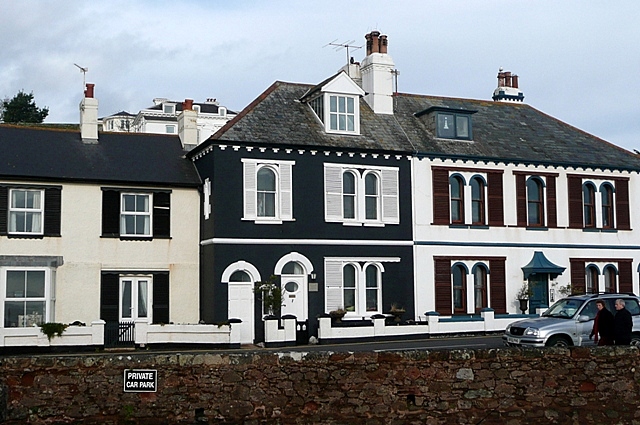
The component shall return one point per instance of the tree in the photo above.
(22, 108)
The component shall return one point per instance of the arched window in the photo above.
(589, 203)
(349, 287)
(607, 206)
(477, 201)
(266, 192)
(372, 277)
(591, 284)
(535, 204)
(457, 199)
(459, 289)
(349, 195)
(480, 287)
(372, 196)
(240, 276)
(292, 267)
(610, 284)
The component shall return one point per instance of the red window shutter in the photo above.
(440, 196)
(574, 187)
(495, 195)
(443, 286)
(552, 215)
(578, 285)
(497, 281)
(622, 205)
(625, 276)
(521, 200)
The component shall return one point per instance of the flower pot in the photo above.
(523, 305)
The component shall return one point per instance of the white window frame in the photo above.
(49, 291)
(20, 210)
(206, 191)
(124, 213)
(388, 194)
(168, 108)
(284, 194)
(334, 286)
(170, 129)
(344, 114)
(135, 287)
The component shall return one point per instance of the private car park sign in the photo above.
(140, 381)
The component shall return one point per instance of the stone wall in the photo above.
(502, 386)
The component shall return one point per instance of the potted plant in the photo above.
(523, 296)
(337, 314)
(51, 329)
(271, 295)
(397, 312)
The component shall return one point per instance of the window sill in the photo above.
(537, 228)
(26, 236)
(458, 226)
(596, 230)
(479, 226)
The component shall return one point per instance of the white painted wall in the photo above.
(85, 254)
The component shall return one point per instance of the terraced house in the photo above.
(356, 197)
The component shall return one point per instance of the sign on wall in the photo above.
(140, 381)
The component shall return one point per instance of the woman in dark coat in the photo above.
(602, 325)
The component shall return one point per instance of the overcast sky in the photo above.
(578, 61)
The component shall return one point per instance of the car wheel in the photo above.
(558, 341)
(635, 340)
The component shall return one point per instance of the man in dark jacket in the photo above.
(602, 325)
(622, 324)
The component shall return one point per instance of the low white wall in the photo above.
(185, 334)
(73, 335)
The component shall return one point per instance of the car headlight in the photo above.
(508, 328)
(531, 332)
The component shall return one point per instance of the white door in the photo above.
(294, 294)
(135, 298)
(240, 306)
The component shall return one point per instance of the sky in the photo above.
(578, 61)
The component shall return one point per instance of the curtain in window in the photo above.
(143, 298)
(25, 215)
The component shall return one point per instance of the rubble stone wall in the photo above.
(510, 386)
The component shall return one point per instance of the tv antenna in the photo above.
(84, 74)
(345, 45)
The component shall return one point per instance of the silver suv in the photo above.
(569, 322)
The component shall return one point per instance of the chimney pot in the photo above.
(507, 76)
(375, 45)
(383, 44)
(187, 104)
(369, 43)
(514, 81)
(88, 91)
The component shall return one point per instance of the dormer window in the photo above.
(449, 123)
(336, 103)
(168, 108)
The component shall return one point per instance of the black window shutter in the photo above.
(625, 276)
(496, 202)
(497, 279)
(521, 200)
(110, 213)
(52, 209)
(574, 189)
(622, 205)
(441, 204)
(443, 286)
(109, 297)
(552, 213)
(161, 297)
(578, 277)
(4, 209)
(161, 214)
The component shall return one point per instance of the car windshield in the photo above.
(565, 308)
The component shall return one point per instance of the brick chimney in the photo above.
(188, 125)
(89, 116)
(507, 90)
(377, 74)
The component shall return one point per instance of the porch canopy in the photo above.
(541, 264)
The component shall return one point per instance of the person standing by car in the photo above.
(622, 324)
(602, 325)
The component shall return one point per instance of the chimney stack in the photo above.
(377, 74)
(188, 125)
(507, 90)
(89, 116)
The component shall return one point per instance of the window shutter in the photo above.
(552, 215)
(574, 187)
(286, 203)
(250, 187)
(622, 205)
(578, 285)
(333, 285)
(497, 282)
(625, 276)
(110, 213)
(521, 200)
(390, 204)
(52, 211)
(443, 286)
(109, 297)
(496, 203)
(332, 193)
(4, 209)
(161, 297)
(441, 208)
(161, 215)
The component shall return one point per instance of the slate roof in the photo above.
(512, 132)
(118, 158)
